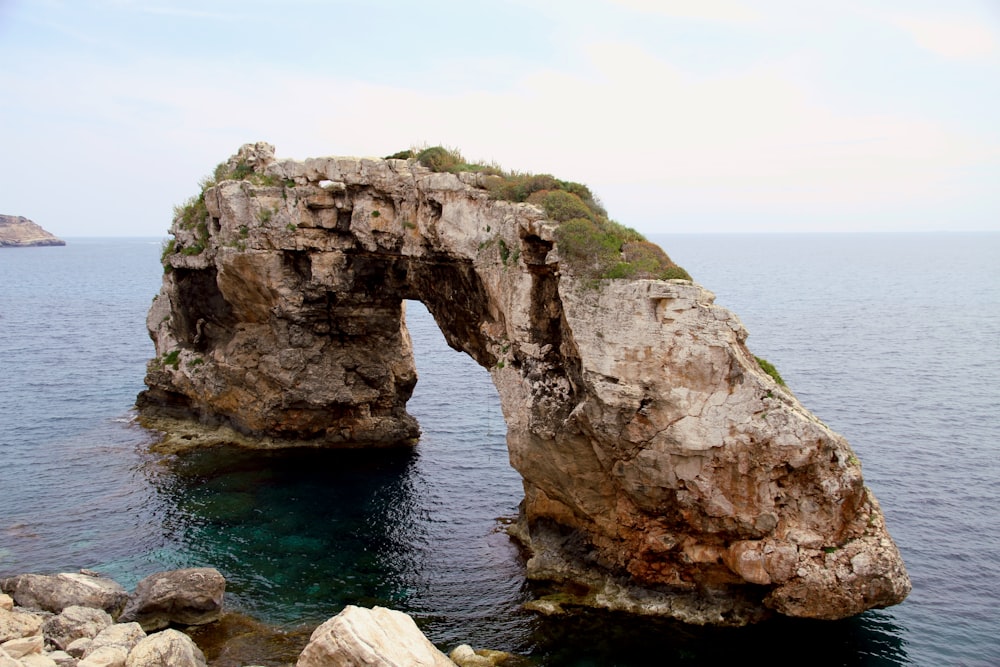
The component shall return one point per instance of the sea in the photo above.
(892, 339)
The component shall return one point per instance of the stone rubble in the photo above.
(87, 636)
(69, 619)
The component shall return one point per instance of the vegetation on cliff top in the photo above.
(595, 246)
(193, 213)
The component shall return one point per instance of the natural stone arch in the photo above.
(663, 469)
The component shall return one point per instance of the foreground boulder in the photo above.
(376, 637)
(87, 637)
(75, 623)
(665, 470)
(191, 596)
(56, 592)
(112, 645)
(18, 648)
(18, 623)
(45, 631)
(169, 647)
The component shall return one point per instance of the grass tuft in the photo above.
(769, 368)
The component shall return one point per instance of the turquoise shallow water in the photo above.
(893, 340)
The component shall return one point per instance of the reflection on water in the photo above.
(299, 533)
(593, 638)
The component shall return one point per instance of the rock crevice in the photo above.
(663, 468)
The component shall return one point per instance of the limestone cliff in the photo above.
(17, 232)
(664, 471)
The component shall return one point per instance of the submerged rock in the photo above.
(665, 471)
(464, 656)
(237, 639)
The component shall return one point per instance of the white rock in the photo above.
(19, 623)
(18, 648)
(169, 647)
(78, 647)
(464, 656)
(121, 635)
(62, 658)
(105, 656)
(73, 623)
(377, 637)
(38, 660)
(7, 661)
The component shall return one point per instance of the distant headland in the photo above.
(18, 232)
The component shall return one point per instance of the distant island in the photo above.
(18, 232)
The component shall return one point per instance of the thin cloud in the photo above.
(727, 11)
(951, 37)
(664, 144)
(173, 11)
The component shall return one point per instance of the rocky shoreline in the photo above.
(16, 231)
(177, 618)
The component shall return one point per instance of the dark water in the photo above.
(893, 340)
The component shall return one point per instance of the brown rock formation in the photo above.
(192, 596)
(17, 231)
(664, 470)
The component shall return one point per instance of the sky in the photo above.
(683, 116)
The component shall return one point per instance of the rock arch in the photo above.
(664, 471)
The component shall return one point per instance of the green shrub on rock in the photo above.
(604, 249)
(769, 368)
(561, 205)
(590, 244)
(642, 259)
(587, 246)
(439, 158)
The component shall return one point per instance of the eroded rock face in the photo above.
(662, 467)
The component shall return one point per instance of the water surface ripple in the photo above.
(893, 340)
